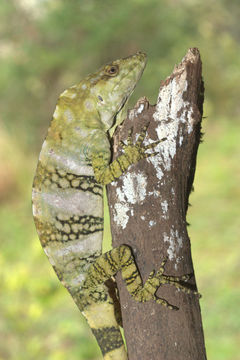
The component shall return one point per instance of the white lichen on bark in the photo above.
(172, 112)
(132, 191)
(175, 243)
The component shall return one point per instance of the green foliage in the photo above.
(215, 237)
(49, 45)
(53, 44)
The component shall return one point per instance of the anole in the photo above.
(74, 165)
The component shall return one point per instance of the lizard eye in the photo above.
(111, 70)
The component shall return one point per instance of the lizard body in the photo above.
(67, 196)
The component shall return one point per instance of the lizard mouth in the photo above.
(123, 103)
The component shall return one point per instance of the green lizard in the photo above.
(67, 196)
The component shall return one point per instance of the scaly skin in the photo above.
(73, 167)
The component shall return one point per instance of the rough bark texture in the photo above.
(148, 206)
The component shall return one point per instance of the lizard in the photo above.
(73, 167)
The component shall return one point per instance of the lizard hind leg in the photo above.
(174, 281)
(165, 303)
(121, 259)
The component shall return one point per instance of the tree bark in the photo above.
(148, 206)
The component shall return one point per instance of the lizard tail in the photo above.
(110, 341)
(102, 319)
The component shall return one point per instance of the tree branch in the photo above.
(148, 206)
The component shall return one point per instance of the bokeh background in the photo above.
(48, 45)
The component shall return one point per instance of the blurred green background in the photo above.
(48, 45)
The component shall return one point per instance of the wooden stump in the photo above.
(148, 206)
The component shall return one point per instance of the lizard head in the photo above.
(113, 84)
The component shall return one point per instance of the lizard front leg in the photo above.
(106, 173)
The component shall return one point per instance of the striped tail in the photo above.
(103, 316)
